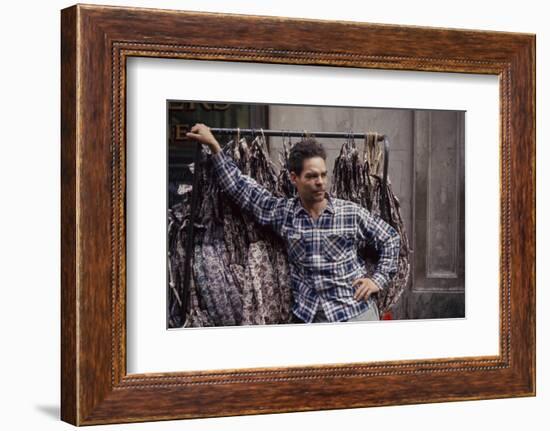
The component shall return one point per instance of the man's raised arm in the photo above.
(244, 190)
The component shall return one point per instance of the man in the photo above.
(322, 234)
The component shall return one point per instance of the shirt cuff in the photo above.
(380, 280)
(217, 159)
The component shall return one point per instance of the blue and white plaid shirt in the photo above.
(322, 254)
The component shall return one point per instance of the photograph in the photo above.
(289, 214)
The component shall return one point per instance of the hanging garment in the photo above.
(382, 201)
(178, 224)
(349, 176)
(176, 265)
(284, 184)
(240, 269)
(197, 316)
(283, 284)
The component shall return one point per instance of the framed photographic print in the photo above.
(268, 218)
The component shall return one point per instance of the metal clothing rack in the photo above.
(255, 132)
(291, 133)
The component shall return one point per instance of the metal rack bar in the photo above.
(290, 133)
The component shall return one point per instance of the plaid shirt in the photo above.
(323, 253)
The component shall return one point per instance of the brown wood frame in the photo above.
(95, 43)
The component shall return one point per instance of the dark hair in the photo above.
(307, 148)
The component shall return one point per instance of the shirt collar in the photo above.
(299, 207)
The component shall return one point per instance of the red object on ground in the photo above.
(387, 316)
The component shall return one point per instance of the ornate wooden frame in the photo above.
(95, 43)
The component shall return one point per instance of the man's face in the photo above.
(312, 182)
